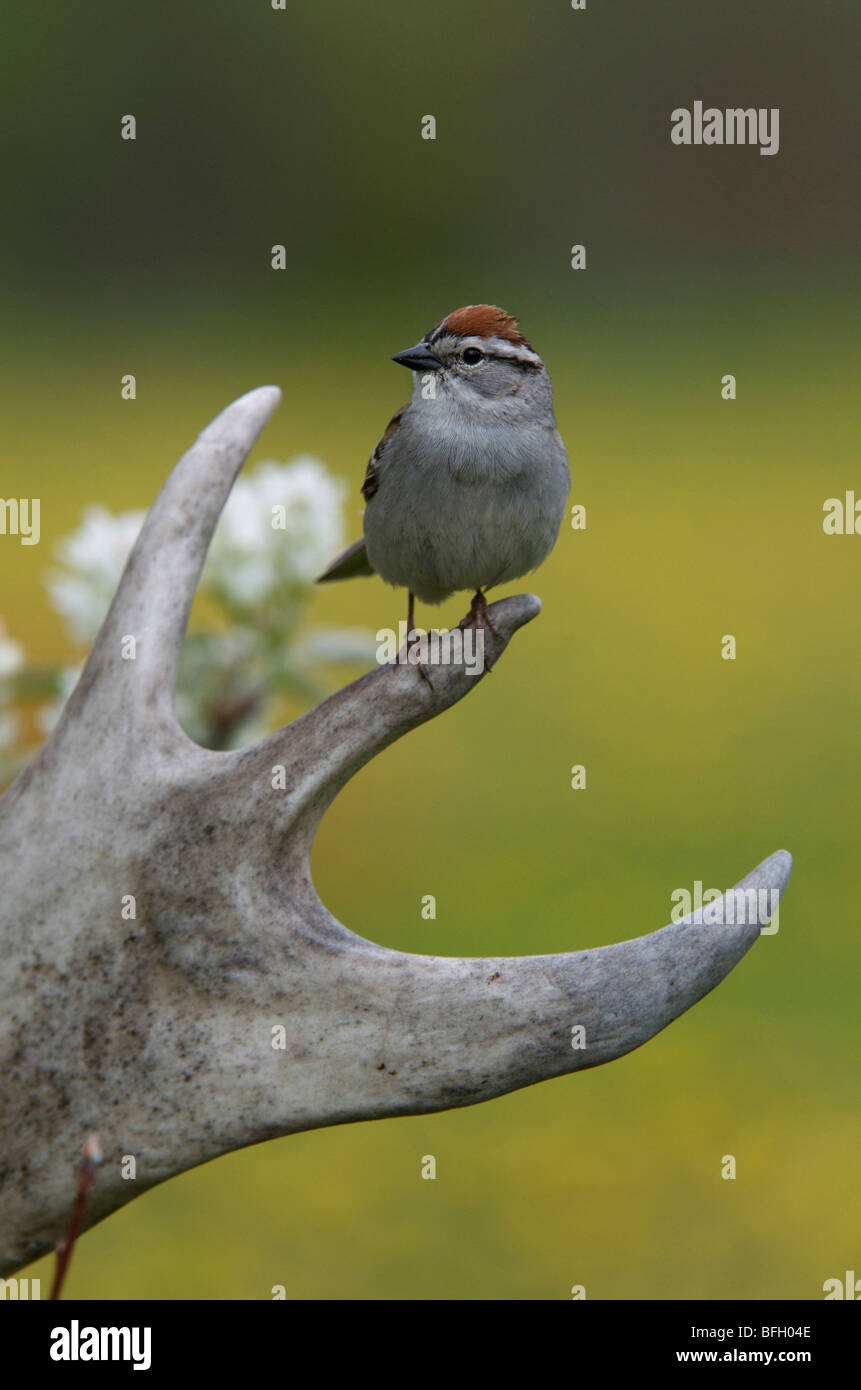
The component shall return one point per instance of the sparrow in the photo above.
(467, 487)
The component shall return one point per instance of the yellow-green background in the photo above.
(704, 518)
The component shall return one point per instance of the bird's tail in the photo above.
(352, 563)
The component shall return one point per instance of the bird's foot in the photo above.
(479, 615)
(479, 618)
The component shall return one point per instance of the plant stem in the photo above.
(92, 1158)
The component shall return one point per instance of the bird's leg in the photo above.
(411, 623)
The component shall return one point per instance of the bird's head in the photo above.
(477, 351)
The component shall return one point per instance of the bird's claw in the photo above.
(479, 615)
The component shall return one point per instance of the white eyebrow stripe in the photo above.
(496, 347)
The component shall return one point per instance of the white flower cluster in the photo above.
(280, 527)
(93, 558)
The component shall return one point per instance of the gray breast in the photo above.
(488, 510)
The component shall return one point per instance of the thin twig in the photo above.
(92, 1158)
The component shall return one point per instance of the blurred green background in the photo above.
(704, 518)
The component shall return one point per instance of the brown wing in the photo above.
(372, 472)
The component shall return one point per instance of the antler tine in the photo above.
(157, 587)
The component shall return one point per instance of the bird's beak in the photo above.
(418, 358)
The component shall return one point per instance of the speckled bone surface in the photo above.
(158, 1032)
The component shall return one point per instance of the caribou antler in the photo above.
(158, 1032)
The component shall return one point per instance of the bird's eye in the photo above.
(471, 356)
